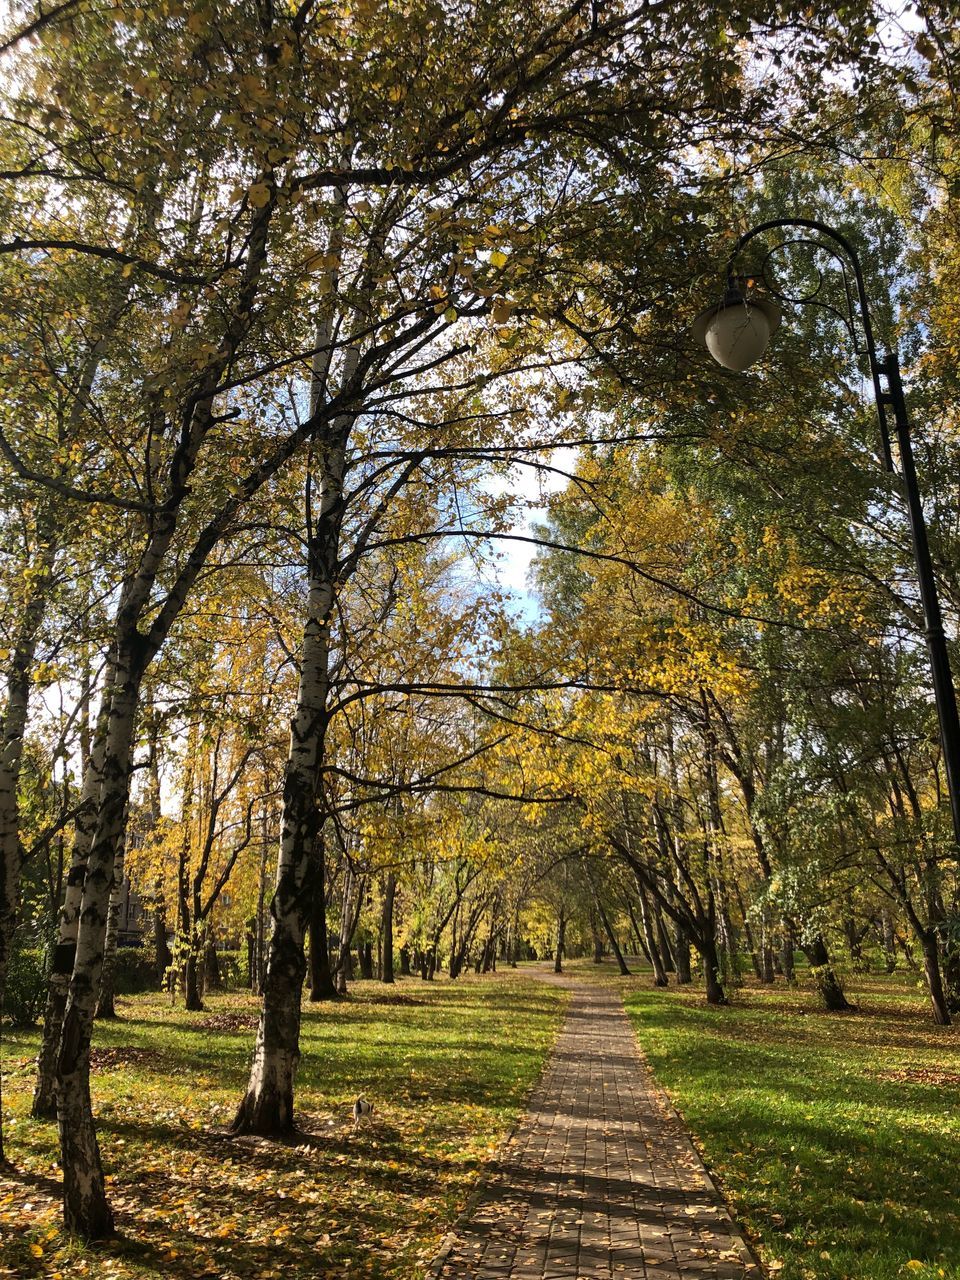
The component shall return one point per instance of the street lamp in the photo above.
(736, 332)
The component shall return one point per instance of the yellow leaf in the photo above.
(498, 258)
(259, 195)
(37, 1250)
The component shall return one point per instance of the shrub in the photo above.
(26, 991)
(233, 969)
(135, 971)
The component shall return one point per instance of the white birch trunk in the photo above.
(267, 1107)
(105, 1007)
(45, 1089)
(86, 1211)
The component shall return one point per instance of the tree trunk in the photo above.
(267, 1107)
(489, 950)
(641, 948)
(561, 933)
(889, 943)
(621, 963)
(258, 970)
(322, 986)
(653, 951)
(105, 1002)
(365, 957)
(45, 1089)
(192, 999)
(828, 984)
(212, 977)
(786, 955)
(728, 945)
(711, 972)
(723, 932)
(950, 969)
(681, 952)
(766, 974)
(404, 962)
(934, 976)
(749, 934)
(386, 937)
(86, 1211)
(349, 919)
(854, 939)
(252, 958)
(163, 959)
(663, 941)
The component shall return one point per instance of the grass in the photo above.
(447, 1065)
(835, 1137)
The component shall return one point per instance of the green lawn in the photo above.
(835, 1137)
(447, 1065)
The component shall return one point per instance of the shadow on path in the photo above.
(600, 1180)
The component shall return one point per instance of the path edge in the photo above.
(491, 1167)
(753, 1258)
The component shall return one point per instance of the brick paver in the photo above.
(600, 1179)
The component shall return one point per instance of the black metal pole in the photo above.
(936, 640)
(892, 396)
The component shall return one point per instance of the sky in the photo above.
(532, 488)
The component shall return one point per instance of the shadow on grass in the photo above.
(447, 1068)
(795, 1116)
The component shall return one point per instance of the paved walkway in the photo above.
(600, 1180)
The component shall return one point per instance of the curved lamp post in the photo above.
(736, 332)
